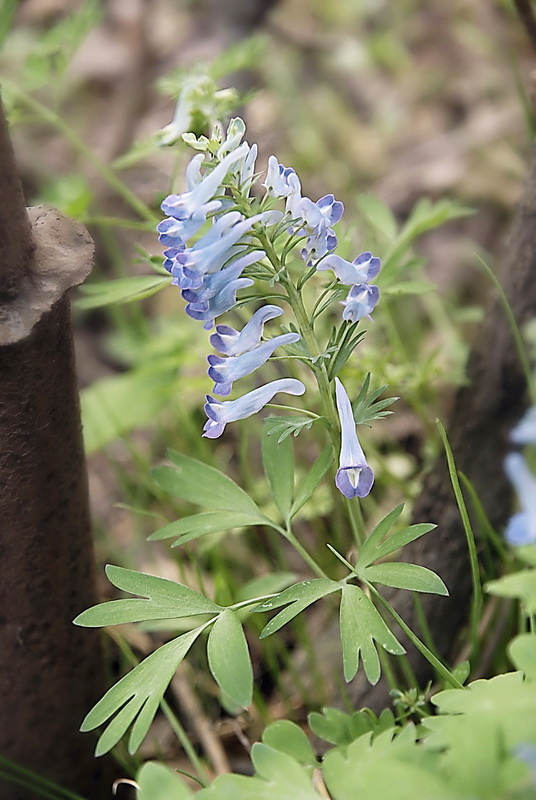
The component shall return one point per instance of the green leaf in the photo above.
(522, 652)
(361, 624)
(198, 525)
(282, 427)
(367, 408)
(158, 782)
(278, 462)
(229, 659)
(374, 549)
(167, 600)
(378, 214)
(312, 479)
(287, 737)
(367, 553)
(299, 596)
(122, 290)
(520, 585)
(405, 576)
(203, 485)
(410, 287)
(112, 407)
(142, 691)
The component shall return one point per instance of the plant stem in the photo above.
(476, 602)
(421, 647)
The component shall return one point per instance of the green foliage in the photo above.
(296, 598)
(361, 625)
(286, 426)
(157, 782)
(312, 479)
(367, 407)
(229, 660)
(122, 290)
(278, 461)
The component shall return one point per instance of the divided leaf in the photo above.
(198, 525)
(122, 290)
(374, 548)
(136, 696)
(361, 625)
(299, 597)
(229, 659)
(157, 782)
(166, 600)
(203, 485)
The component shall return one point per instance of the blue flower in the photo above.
(362, 269)
(220, 413)
(226, 370)
(208, 310)
(525, 431)
(214, 283)
(354, 476)
(521, 528)
(360, 302)
(277, 183)
(198, 201)
(231, 342)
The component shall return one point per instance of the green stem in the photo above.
(514, 327)
(421, 647)
(14, 773)
(296, 544)
(182, 736)
(476, 601)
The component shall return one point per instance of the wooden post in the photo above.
(50, 670)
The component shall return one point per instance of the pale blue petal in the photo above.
(224, 371)
(360, 302)
(525, 431)
(362, 270)
(354, 476)
(231, 342)
(522, 526)
(221, 413)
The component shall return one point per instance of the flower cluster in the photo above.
(521, 528)
(216, 236)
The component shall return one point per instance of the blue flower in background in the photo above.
(525, 431)
(231, 342)
(354, 476)
(220, 413)
(362, 269)
(277, 179)
(360, 302)
(521, 528)
(224, 371)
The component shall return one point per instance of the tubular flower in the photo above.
(521, 528)
(220, 413)
(224, 371)
(231, 342)
(218, 304)
(277, 183)
(354, 476)
(360, 302)
(214, 283)
(362, 269)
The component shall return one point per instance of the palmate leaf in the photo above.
(229, 659)
(282, 427)
(136, 696)
(166, 600)
(203, 485)
(296, 598)
(361, 625)
(520, 585)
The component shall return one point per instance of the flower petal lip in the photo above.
(362, 269)
(223, 371)
(220, 413)
(525, 431)
(360, 303)
(231, 342)
(521, 528)
(354, 476)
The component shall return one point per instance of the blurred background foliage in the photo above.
(414, 113)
